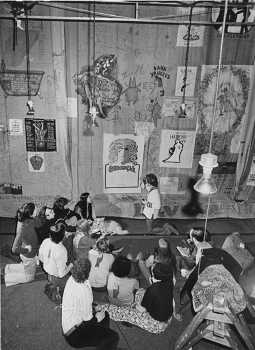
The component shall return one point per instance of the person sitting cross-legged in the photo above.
(82, 326)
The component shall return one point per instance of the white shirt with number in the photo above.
(153, 202)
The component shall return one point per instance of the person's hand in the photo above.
(100, 315)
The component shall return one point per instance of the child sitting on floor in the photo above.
(101, 262)
(121, 288)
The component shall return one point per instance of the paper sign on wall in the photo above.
(177, 148)
(196, 37)
(144, 129)
(16, 127)
(251, 177)
(170, 185)
(171, 107)
(36, 162)
(190, 82)
(122, 163)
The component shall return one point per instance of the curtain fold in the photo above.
(242, 192)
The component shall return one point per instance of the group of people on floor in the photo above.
(76, 250)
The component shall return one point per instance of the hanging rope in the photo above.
(214, 111)
(183, 88)
(27, 55)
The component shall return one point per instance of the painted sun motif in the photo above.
(231, 99)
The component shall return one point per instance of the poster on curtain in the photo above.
(171, 107)
(177, 148)
(190, 82)
(16, 127)
(122, 163)
(40, 135)
(36, 162)
(196, 38)
(170, 185)
(251, 176)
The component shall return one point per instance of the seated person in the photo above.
(121, 289)
(60, 212)
(83, 241)
(44, 220)
(101, 262)
(53, 256)
(26, 245)
(198, 241)
(81, 325)
(153, 307)
(158, 297)
(85, 208)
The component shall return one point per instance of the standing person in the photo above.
(53, 255)
(81, 326)
(152, 203)
(26, 245)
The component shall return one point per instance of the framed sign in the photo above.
(40, 135)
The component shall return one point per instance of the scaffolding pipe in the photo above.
(124, 20)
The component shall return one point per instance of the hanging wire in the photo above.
(94, 83)
(27, 54)
(214, 112)
(183, 88)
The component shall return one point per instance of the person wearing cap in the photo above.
(53, 255)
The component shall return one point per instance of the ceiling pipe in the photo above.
(123, 20)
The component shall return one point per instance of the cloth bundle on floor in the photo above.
(213, 280)
(132, 315)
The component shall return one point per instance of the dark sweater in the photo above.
(158, 300)
(26, 235)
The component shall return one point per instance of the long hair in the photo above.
(164, 255)
(81, 269)
(25, 211)
(85, 207)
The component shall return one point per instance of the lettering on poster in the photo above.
(16, 127)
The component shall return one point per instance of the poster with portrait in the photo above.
(122, 163)
(177, 148)
(190, 82)
(196, 37)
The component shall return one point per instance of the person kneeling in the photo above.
(81, 326)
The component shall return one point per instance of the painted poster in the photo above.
(40, 135)
(16, 127)
(176, 148)
(122, 163)
(171, 107)
(36, 162)
(251, 177)
(144, 128)
(190, 82)
(170, 185)
(234, 88)
(196, 38)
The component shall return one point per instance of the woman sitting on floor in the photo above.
(85, 208)
(53, 255)
(121, 288)
(26, 245)
(101, 262)
(81, 325)
(153, 307)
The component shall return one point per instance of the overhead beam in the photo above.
(123, 20)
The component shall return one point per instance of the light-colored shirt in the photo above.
(152, 203)
(200, 247)
(121, 290)
(76, 304)
(54, 258)
(101, 264)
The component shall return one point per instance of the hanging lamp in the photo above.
(182, 112)
(206, 185)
